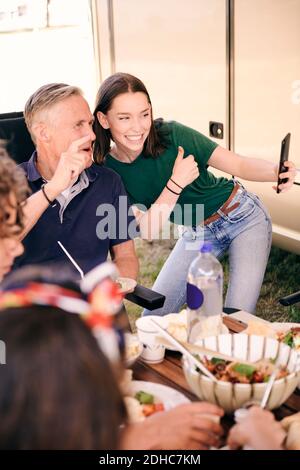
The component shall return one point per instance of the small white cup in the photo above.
(153, 351)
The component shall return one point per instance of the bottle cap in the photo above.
(206, 247)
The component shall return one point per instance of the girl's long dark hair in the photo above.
(57, 389)
(113, 86)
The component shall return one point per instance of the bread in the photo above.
(260, 329)
(134, 410)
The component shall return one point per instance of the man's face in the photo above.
(67, 121)
(10, 246)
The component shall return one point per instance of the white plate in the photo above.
(284, 326)
(128, 285)
(246, 317)
(175, 321)
(133, 349)
(162, 394)
(224, 331)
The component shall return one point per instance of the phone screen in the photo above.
(284, 156)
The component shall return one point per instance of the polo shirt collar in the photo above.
(34, 175)
(32, 172)
(91, 173)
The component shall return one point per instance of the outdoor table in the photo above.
(169, 372)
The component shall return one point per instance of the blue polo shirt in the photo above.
(93, 221)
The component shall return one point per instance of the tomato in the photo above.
(150, 409)
(159, 407)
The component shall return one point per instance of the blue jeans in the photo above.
(245, 233)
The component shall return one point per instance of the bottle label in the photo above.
(194, 296)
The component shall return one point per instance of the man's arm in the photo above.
(34, 207)
(71, 164)
(125, 258)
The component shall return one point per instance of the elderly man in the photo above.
(82, 205)
(13, 191)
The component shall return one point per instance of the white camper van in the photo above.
(229, 68)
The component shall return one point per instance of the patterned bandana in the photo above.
(97, 310)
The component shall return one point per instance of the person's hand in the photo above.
(70, 165)
(258, 430)
(290, 174)
(192, 426)
(185, 170)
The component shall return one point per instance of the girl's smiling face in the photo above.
(129, 120)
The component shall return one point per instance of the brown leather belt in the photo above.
(225, 209)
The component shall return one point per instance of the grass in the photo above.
(282, 278)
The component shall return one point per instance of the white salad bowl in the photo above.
(231, 396)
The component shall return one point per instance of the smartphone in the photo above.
(284, 156)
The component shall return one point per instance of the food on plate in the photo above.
(134, 410)
(290, 337)
(177, 325)
(126, 284)
(237, 372)
(133, 348)
(260, 329)
(141, 406)
(148, 403)
(209, 326)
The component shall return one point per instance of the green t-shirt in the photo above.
(145, 177)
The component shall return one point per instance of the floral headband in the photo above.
(97, 309)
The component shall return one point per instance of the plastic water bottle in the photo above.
(204, 295)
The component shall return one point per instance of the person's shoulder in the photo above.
(104, 175)
(101, 170)
(24, 167)
(29, 168)
(182, 131)
(175, 127)
(166, 125)
(178, 131)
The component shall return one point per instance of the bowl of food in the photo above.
(239, 383)
(288, 333)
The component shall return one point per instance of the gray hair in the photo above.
(44, 98)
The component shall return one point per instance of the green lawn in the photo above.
(282, 278)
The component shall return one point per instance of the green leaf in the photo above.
(289, 339)
(244, 369)
(217, 360)
(144, 398)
